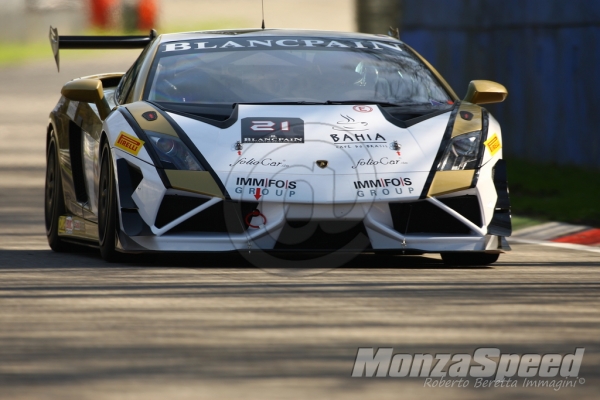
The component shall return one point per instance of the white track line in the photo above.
(569, 246)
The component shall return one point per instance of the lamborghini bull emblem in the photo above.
(322, 163)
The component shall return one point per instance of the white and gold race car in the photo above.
(274, 141)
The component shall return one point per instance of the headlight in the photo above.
(173, 153)
(462, 153)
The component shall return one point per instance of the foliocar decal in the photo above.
(129, 143)
(272, 130)
(493, 144)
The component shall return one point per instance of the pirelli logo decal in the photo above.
(493, 144)
(129, 143)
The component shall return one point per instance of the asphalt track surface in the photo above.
(74, 327)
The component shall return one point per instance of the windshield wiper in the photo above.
(380, 103)
(279, 103)
(335, 102)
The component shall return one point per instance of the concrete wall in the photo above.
(546, 52)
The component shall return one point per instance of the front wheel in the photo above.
(468, 258)
(107, 209)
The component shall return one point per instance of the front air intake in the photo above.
(224, 216)
(323, 236)
(425, 217)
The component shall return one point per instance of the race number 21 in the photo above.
(268, 126)
(264, 129)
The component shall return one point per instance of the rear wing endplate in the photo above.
(96, 42)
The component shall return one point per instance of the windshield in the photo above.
(290, 70)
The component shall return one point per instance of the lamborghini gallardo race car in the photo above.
(274, 141)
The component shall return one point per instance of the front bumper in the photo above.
(159, 219)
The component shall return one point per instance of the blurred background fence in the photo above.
(547, 54)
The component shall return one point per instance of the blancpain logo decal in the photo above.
(216, 44)
(382, 161)
(273, 139)
(266, 162)
(350, 124)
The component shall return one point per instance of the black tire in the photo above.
(466, 258)
(107, 209)
(54, 202)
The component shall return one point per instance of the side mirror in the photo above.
(87, 91)
(485, 92)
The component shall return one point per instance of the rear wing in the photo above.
(96, 42)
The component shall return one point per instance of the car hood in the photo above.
(321, 153)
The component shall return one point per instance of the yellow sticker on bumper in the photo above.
(130, 144)
(493, 144)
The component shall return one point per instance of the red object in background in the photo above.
(142, 13)
(589, 237)
(101, 12)
(147, 11)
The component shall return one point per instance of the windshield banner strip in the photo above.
(212, 45)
